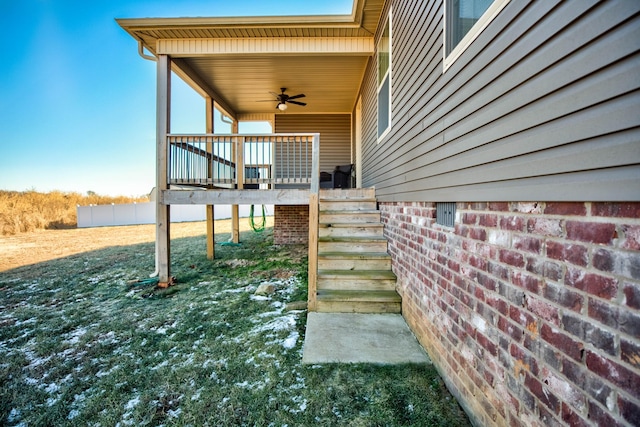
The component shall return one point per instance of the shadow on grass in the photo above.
(82, 345)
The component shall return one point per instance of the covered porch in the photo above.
(300, 74)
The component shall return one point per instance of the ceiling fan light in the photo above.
(282, 106)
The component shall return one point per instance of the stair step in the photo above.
(371, 216)
(345, 229)
(354, 261)
(352, 244)
(348, 205)
(349, 301)
(357, 274)
(347, 194)
(357, 280)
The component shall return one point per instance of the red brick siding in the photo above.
(291, 224)
(530, 310)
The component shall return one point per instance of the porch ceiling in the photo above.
(238, 61)
(330, 83)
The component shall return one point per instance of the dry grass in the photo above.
(46, 245)
(30, 210)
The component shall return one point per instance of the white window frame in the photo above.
(379, 86)
(482, 23)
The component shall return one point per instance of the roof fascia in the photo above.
(306, 21)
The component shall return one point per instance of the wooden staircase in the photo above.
(353, 267)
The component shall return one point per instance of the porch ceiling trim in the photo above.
(281, 45)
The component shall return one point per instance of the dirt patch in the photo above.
(45, 245)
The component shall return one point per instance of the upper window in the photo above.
(384, 81)
(464, 21)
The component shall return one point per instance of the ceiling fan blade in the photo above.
(296, 102)
(302, 95)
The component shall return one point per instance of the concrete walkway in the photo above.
(360, 338)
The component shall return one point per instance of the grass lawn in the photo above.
(81, 345)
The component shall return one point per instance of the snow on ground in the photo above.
(80, 348)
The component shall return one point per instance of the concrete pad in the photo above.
(360, 338)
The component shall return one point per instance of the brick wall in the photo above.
(291, 224)
(531, 311)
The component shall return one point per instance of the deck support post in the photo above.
(239, 158)
(210, 111)
(163, 126)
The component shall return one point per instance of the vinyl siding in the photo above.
(334, 130)
(543, 105)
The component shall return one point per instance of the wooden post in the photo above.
(313, 224)
(239, 160)
(163, 126)
(211, 251)
(210, 111)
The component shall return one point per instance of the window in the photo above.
(464, 21)
(384, 81)
(446, 213)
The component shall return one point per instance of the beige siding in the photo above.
(542, 106)
(334, 130)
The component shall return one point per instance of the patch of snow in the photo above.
(73, 414)
(102, 373)
(52, 388)
(14, 415)
(74, 337)
(301, 408)
(223, 401)
(95, 280)
(291, 340)
(189, 360)
(258, 385)
(174, 414)
(131, 404)
(109, 338)
(161, 365)
(31, 381)
(278, 324)
(26, 322)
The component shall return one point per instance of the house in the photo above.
(502, 139)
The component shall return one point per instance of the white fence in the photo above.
(145, 213)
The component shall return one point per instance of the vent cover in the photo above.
(446, 213)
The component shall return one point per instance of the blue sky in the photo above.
(77, 103)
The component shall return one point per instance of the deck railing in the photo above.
(243, 161)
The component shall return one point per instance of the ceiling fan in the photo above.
(282, 99)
